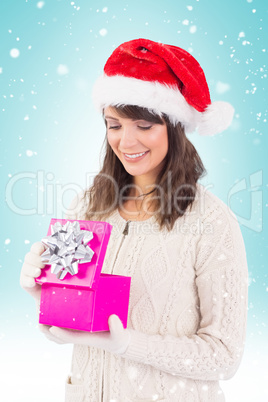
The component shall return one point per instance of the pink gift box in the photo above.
(84, 301)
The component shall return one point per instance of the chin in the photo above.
(133, 172)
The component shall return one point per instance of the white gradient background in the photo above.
(51, 138)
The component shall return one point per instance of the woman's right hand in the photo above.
(31, 269)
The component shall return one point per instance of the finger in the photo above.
(63, 335)
(115, 325)
(73, 336)
(34, 259)
(53, 338)
(27, 281)
(44, 328)
(31, 270)
(38, 248)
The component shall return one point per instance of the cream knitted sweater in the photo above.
(187, 311)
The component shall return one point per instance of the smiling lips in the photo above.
(135, 156)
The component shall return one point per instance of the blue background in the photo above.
(51, 138)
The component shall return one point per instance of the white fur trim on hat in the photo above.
(216, 118)
(160, 98)
(119, 90)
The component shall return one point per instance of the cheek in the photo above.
(160, 141)
(164, 142)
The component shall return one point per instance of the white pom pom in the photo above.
(216, 118)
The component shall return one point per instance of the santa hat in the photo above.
(164, 79)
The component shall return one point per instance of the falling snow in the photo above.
(62, 69)
(103, 32)
(30, 153)
(14, 53)
(222, 87)
(40, 4)
(193, 29)
(33, 89)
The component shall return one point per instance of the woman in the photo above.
(181, 245)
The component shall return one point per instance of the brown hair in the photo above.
(175, 187)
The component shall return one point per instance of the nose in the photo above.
(128, 138)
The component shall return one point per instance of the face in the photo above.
(140, 145)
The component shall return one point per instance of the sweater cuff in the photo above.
(138, 347)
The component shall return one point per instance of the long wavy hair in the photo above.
(175, 186)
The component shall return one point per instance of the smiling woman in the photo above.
(181, 245)
(161, 182)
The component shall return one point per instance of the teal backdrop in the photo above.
(51, 52)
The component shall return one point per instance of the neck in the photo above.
(142, 185)
(138, 205)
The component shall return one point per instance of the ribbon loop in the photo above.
(67, 247)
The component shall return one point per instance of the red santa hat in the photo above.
(164, 79)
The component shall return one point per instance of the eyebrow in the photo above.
(114, 118)
(110, 117)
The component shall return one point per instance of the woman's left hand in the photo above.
(116, 341)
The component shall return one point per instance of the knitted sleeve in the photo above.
(215, 350)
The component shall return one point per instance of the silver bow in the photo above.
(67, 246)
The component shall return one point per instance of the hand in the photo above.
(116, 341)
(32, 269)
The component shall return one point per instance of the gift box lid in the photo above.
(88, 272)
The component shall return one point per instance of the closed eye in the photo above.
(114, 127)
(144, 128)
